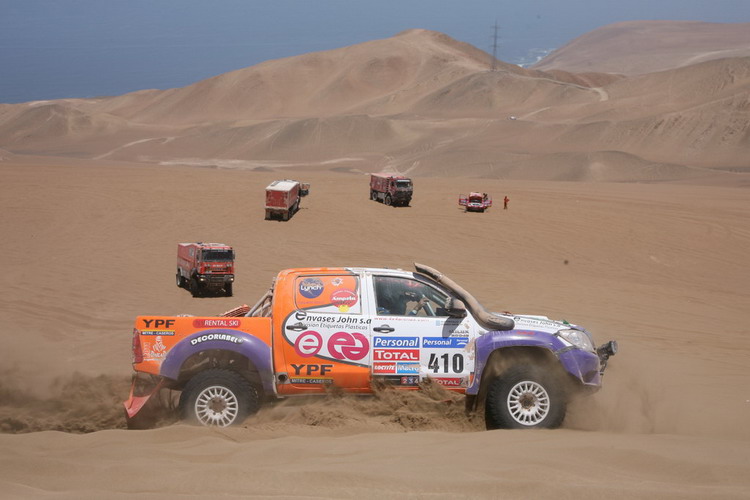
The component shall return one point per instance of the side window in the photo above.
(407, 297)
(333, 294)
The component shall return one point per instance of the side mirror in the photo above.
(455, 308)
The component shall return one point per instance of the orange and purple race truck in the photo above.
(355, 328)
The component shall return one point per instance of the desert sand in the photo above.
(641, 243)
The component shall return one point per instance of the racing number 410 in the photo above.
(456, 363)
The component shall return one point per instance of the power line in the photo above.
(494, 47)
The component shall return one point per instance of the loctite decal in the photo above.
(383, 368)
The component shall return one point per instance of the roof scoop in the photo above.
(486, 319)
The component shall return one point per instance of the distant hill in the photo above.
(419, 102)
(637, 47)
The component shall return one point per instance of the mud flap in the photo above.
(135, 404)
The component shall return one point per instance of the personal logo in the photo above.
(311, 288)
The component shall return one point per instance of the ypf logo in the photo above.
(311, 288)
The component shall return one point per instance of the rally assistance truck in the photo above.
(394, 190)
(283, 198)
(475, 202)
(205, 268)
(353, 329)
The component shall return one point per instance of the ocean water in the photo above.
(52, 49)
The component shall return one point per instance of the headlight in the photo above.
(577, 338)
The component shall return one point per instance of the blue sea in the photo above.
(52, 49)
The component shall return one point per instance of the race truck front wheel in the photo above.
(524, 397)
(218, 398)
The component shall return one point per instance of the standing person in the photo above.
(505, 202)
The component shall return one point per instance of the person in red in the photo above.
(505, 202)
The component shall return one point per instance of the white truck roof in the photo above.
(282, 185)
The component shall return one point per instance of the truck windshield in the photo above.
(218, 255)
(403, 184)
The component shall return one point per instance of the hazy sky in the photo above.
(82, 48)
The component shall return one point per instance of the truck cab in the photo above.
(205, 268)
(391, 189)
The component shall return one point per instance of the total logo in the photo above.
(311, 288)
(342, 346)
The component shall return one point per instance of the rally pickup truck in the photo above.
(359, 328)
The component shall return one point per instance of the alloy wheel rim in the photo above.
(216, 406)
(528, 403)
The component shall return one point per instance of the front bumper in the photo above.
(215, 280)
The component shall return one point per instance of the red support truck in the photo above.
(391, 189)
(282, 199)
(475, 202)
(205, 268)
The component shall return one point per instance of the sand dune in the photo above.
(411, 102)
(637, 47)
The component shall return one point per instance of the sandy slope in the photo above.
(638, 47)
(421, 102)
(661, 267)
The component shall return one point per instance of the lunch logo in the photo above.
(311, 288)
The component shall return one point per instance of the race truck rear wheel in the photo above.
(524, 397)
(218, 398)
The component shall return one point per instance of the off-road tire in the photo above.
(228, 289)
(373, 195)
(193, 287)
(218, 398)
(524, 397)
(388, 201)
(179, 280)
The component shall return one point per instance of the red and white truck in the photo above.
(394, 190)
(205, 268)
(475, 202)
(283, 198)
